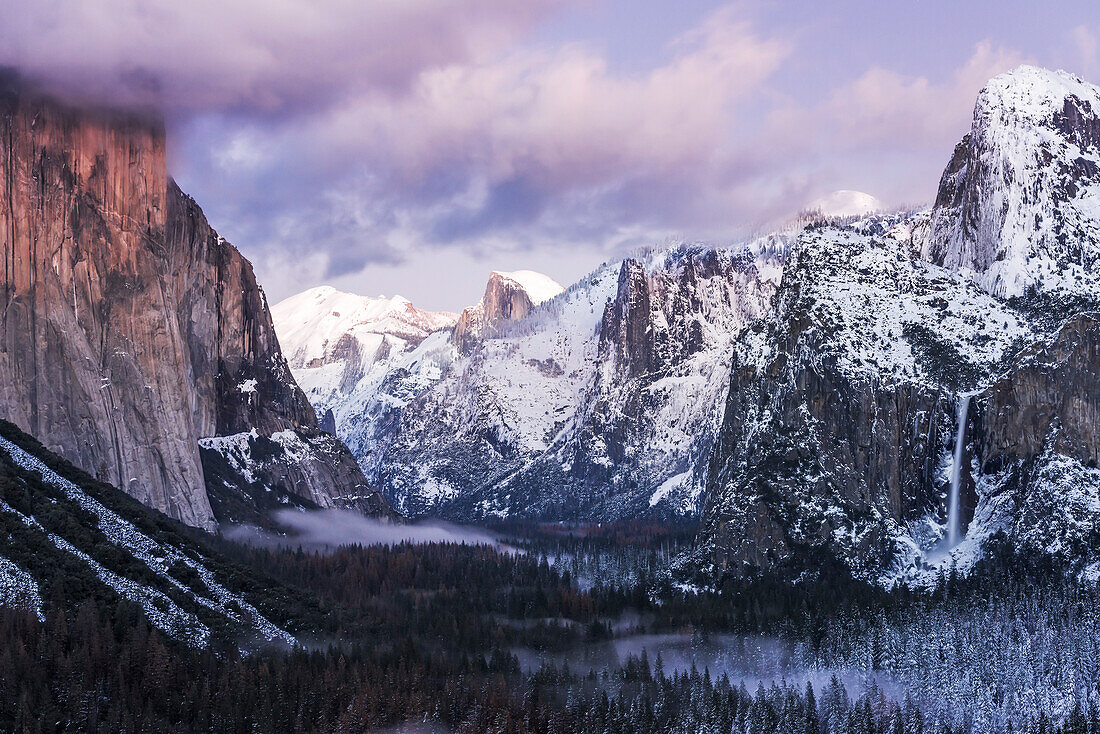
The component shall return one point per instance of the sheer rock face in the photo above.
(129, 329)
(1050, 399)
(240, 377)
(838, 438)
(663, 351)
(1016, 206)
(1036, 444)
(507, 298)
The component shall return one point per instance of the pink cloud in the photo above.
(252, 54)
(563, 114)
(883, 107)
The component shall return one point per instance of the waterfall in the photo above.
(953, 524)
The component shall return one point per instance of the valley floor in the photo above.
(573, 630)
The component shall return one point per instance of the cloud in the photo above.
(515, 151)
(554, 148)
(250, 54)
(883, 107)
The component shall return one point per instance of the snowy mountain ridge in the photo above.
(611, 383)
(334, 339)
(802, 391)
(909, 359)
(1018, 207)
(312, 323)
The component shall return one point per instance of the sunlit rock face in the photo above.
(130, 330)
(508, 297)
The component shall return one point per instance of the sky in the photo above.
(411, 146)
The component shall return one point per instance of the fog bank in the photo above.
(329, 529)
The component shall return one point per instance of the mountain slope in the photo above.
(599, 403)
(68, 538)
(129, 329)
(948, 354)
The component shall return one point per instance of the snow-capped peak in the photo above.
(539, 287)
(1034, 94)
(845, 203)
(1018, 207)
(311, 323)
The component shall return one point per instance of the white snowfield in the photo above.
(161, 611)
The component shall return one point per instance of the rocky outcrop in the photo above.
(240, 380)
(661, 359)
(627, 337)
(1014, 206)
(840, 415)
(129, 329)
(508, 297)
(599, 404)
(249, 475)
(839, 434)
(328, 422)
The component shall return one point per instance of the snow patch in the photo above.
(19, 590)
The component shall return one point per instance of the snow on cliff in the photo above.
(1018, 209)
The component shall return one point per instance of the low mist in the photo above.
(752, 660)
(329, 529)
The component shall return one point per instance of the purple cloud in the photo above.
(349, 140)
(250, 54)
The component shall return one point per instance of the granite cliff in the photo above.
(130, 331)
(917, 356)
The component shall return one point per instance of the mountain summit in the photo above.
(508, 297)
(134, 341)
(927, 380)
(1018, 206)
